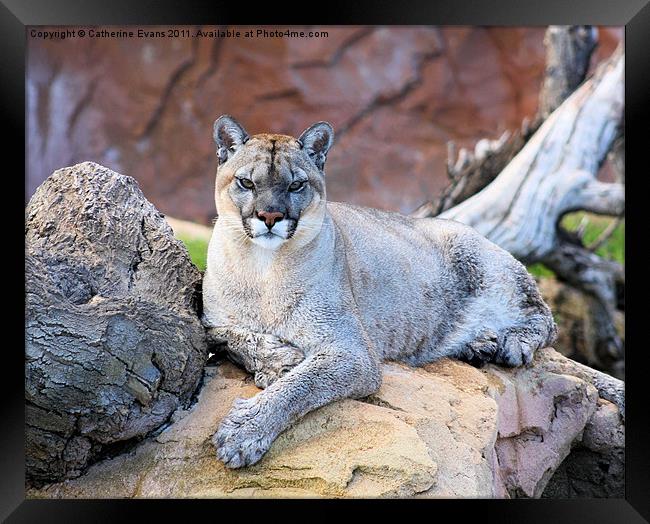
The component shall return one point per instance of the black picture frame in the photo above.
(15, 15)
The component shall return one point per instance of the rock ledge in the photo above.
(446, 430)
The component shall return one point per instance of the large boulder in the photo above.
(114, 344)
(445, 430)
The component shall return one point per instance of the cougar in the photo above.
(310, 296)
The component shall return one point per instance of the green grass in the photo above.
(613, 249)
(198, 249)
(539, 270)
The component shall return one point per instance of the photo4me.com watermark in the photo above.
(151, 33)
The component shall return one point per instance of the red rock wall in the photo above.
(395, 96)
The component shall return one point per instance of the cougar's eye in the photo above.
(245, 183)
(296, 186)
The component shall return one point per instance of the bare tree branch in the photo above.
(516, 189)
(568, 52)
(581, 268)
(597, 197)
(521, 208)
(616, 156)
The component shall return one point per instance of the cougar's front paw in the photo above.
(242, 439)
(274, 359)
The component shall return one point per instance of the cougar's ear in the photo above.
(228, 135)
(316, 140)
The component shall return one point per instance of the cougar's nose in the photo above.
(270, 217)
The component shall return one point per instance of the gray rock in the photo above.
(114, 344)
(596, 466)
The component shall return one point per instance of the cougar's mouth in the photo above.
(269, 234)
(268, 240)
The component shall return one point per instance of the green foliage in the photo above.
(198, 250)
(612, 249)
(539, 270)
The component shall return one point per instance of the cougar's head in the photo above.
(270, 189)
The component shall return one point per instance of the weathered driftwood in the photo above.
(568, 53)
(555, 173)
(113, 339)
(616, 156)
